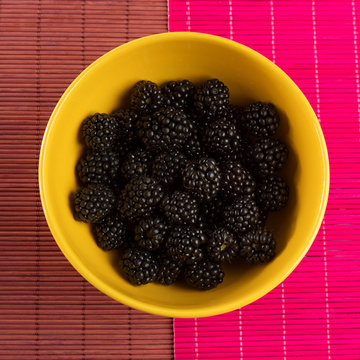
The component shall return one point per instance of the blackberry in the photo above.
(100, 131)
(136, 164)
(241, 215)
(240, 146)
(126, 119)
(183, 244)
(268, 156)
(110, 233)
(236, 181)
(260, 119)
(219, 136)
(179, 94)
(202, 178)
(167, 166)
(222, 245)
(180, 208)
(139, 198)
(192, 147)
(150, 233)
(211, 99)
(204, 275)
(146, 97)
(93, 202)
(139, 267)
(257, 246)
(98, 167)
(212, 211)
(169, 270)
(168, 128)
(272, 193)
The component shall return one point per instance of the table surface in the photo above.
(47, 310)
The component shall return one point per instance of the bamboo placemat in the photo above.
(47, 311)
(315, 313)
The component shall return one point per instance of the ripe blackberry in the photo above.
(150, 233)
(268, 156)
(110, 233)
(236, 181)
(98, 167)
(127, 124)
(204, 274)
(146, 97)
(183, 244)
(219, 136)
(260, 119)
(192, 147)
(100, 131)
(202, 178)
(240, 146)
(211, 99)
(139, 198)
(93, 202)
(180, 208)
(169, 270)
(272, 193)
(139, 266)
(137, 163)
(241, 215)
(212, 211)
(166, 129)
(167, 166)
(179, 94)
(222, 245)
(257, 246)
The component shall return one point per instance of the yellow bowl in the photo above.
(197, 57)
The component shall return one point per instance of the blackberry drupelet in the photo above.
(98, 167)
(204, 274)
(241, 215)
(169, 270)
(272, 193)
(257, 246)
(180, 208)
(110, 233)
(137, 163)
(260, 119)
(211, 99)
(267, 156)
(139, 198)
(179, 94)
(93, 202)
(222, 245)
(139, 266)
(219, 136)
(167, 166)
(100, 131)
(184, 244)
(166, 129)
(202, 178)
(126, 119)
(150, 233)
(236, 181)
(146, 97)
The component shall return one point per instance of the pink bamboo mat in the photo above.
(315, 313)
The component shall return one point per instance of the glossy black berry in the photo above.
(222, 245)
(150, 233)
(179, 94)
(146, 97)
(257, 246)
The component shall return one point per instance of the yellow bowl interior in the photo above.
(250, 76)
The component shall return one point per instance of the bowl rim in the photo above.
(207, 310)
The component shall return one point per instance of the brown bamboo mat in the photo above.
(47, 311)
